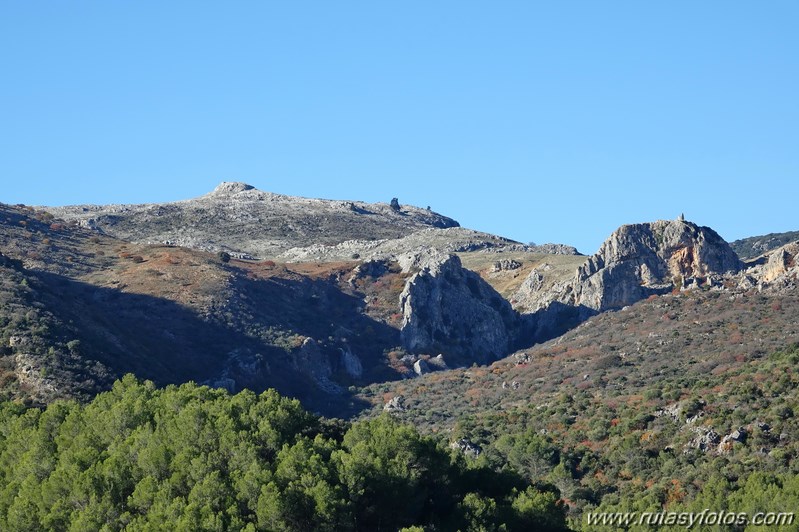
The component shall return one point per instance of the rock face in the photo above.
(451, 310)
(644, 259)
(396, 404)
(775, 271)
(351, 363)
(537, 289)
(781, 263)
(315, 363)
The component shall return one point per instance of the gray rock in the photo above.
(506, 265)
(776, 271)
(351, 363)
(739, 435)
(451, 310)
(310, 359)
(640, 260)
(437, 362)
(16, 341)
(472, 450)
(705, 440)
(395, 404)
(420, 367)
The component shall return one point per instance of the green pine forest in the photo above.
(190, 458)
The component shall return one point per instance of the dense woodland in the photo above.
(191, 457)
(195, 458)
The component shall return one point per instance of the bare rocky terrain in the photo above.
(249, 223)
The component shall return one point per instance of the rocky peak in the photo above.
(447, 308)
(682, 248)
(238, 218)
(227, 188)
(641, 259)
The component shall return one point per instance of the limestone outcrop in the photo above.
(776, 270)
(639, 260)
(448, 309)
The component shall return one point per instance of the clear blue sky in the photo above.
(543, 121)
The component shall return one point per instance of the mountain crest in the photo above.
(639, 260)
(231, 187)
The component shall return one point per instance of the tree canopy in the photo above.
(195, 458)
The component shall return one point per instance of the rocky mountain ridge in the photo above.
(238, 218)
(252, 224)
(172, 314)
(754, 246)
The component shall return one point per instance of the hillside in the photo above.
(631, 405)
(752, 247)
(83, 308)
(193, 458)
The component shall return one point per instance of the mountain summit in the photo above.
(231, 187)
(636, 261)
(247, 222)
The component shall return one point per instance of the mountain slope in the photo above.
(249, 223)
(174, 314)
(754, 246)
(632, 403)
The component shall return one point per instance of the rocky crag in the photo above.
(448, 308)
(776, 271)
(637, 261)
(81, 308)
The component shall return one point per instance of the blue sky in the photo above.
(540, 121)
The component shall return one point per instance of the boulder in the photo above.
(437, 362)
(351, 363)
(472, 450)
(505, 265)
(395, 404)
(420, 367)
